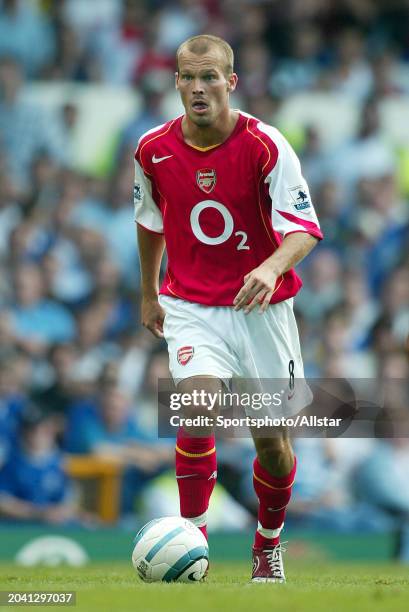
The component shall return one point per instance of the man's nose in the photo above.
(197, 86)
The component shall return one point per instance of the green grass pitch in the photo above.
(115, 587)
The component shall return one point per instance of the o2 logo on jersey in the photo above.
(206, 179)
(228, 225)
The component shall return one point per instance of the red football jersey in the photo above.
(223, 210)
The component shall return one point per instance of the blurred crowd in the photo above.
(78, 374)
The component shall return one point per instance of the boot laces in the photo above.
(275, 560)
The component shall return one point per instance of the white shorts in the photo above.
(219, 341)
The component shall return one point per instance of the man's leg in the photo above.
(273, 477)
(196, 464)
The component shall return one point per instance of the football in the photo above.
(170, 549)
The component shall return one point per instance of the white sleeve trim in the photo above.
(288, 188)
(146, 211)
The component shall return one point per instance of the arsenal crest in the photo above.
(185, 354)
(206, 179)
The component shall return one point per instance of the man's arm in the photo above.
(151, 247)
(259, 284)
(12, 507)
(15, 508)
(292, 215)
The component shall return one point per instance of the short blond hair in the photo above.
(201, 44)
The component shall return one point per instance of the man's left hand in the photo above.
(259, 286)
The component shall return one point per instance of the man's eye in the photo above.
(209, 77)
(186, 77)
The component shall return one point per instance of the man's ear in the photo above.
(232, 82)
(176, 80)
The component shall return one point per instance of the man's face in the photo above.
(40, 439)
(115, 408)
(203, 86)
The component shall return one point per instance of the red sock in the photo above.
(273, 494)
(196, 473)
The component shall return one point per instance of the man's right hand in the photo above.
(153, 316)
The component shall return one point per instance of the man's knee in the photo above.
(203, 393)
(276, 455)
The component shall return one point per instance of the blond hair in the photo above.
(201, 44)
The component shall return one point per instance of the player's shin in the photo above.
(196, 473)
(274, 494)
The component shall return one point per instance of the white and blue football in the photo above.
(170, 549)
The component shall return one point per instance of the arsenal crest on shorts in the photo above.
(185, 354)
(206, 179)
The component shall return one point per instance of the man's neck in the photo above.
(209, 136)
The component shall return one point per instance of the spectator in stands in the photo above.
(382, 340)
(37, 321)
(10, 213)
(110, 430)
(12, 402)
(255, 67)
(367, 156)
(391, 75)
(340, 349)
(265, 107)
(112, 296)
(323, 492)
(313, 160)
(300, 70)
(381, 225)
(25, 129)
(361, 308)
(60, 392)
(323, 281)
(149, 114)
(33, 484)
(176, 21)
(81, 53)
(137, 348)
(383, 478)
(117, 44)
(44, 185)
(330, 205)
(69, 118)
(27, 34)
(395, 301)
(95, 349)
(121, 240)
(156, 369)
(351, 75)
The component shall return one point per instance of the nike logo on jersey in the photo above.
(186, 476)
(157, 160)
(213, 475)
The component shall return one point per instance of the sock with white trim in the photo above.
(274, 494)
